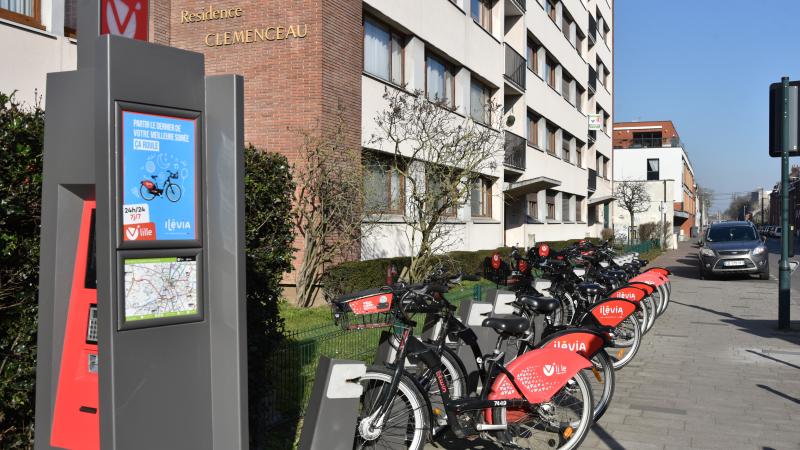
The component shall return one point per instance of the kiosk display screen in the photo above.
(159, 177)
(158, 288)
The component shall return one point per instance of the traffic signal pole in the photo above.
(784, 280)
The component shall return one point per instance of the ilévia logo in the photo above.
(575, 346)
(611, 310)
(442, 384)
(554, 369)
(177, 225)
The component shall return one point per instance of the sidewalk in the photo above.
(713, 373)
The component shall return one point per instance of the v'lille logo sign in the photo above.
(124, 18)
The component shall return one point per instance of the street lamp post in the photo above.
(784, 280)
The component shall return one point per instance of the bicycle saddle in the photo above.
(589, 288)
(507, 325)
(543, 305)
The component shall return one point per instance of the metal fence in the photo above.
(292, 365)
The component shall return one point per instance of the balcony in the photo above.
(592, 30)
(592, 136)
(514, 151)
(648, 142)
(592, 79)
(515, 7)
(515, 69)
(592, 180)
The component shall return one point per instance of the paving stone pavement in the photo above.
(713, 373)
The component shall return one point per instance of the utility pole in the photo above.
(784, 280)
(761, 193)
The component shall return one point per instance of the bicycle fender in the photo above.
(540, 374)
(582, 341)
(612, 312)
(630, 293)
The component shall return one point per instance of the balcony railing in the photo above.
(592, 180)
(515, 151)
(521, 4)
(592, 136)
(648, 142)
(592, 79)
(592, 29)
(515, 67)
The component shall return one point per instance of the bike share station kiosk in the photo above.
(142, 326)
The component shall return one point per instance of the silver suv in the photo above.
(733, 247)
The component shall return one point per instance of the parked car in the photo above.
(733, 247)
(777, 232)
(768, 230)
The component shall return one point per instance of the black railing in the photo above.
(592, 180)
(592, 136)
(515, 67)
(592, 29)
(592, 79)
(515, 151)
(521, 4)
(648, 142)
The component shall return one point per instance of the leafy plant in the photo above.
(21, 142)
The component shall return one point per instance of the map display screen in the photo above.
(161, 287)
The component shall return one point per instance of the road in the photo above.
(713, 373)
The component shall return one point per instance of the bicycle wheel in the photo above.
(455, 378)
(406, 422)
(650, 305)
(626, 342)
(173, 193)
(666, 293)
(601, 379)
(643, 316)
(563, 422)
(145, 193)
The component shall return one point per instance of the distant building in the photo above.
(653, 151)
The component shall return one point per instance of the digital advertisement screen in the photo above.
(159, 201)
(156, 288)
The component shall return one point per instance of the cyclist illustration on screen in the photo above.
(149, 188)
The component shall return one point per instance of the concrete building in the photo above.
(548, 63)
(653, 151)
(659, 212)
(36, 37)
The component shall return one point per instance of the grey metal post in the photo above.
(784, 280)
(331, 417)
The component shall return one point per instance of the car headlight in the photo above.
(707, 252)
(759, 250)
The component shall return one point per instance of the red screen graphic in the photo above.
(126, 18)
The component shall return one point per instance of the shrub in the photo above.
(607, 234)
(648, 231)
(360, 275)
(21, 143)
(269, 237)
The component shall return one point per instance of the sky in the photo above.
(707, 66)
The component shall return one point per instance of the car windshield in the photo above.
(731, 233)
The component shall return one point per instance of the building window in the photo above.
(533, 130)
(601, 73)
(481, 198)
(481, 11)
(533, 208)
(646, 139)
(605, 167)
(566, 25)
(578, 209)
(592, 210)
(443, 199)
(479, 99)
(439, 83)
(383, 52)
(578, 154)
(27, 12)
(551, 140)
(551, 205)
(533, 56)
(565, 216)
(566, 81)
(550, 72)
(383, 185)
(565, 141)
(600, 170)
(550, 9)
(579, 98)
(652, 169)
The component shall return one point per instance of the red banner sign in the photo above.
(124, 18)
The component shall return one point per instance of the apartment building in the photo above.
(36, 37)
(653, 151)
(548, 63)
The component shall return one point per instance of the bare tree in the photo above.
(633, 197)
(441, 156)
(328, 206)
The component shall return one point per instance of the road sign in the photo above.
(126, 18)
(776, 122)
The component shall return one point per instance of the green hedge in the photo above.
(359, 275)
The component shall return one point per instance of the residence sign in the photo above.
(243, 35)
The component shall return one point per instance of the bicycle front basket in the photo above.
(365, 309)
